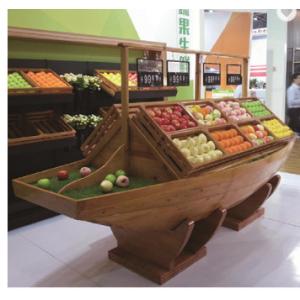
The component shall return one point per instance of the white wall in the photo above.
(214, 24)
(276, 64)
(258, 54)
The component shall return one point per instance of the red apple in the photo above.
(158, 120)
(62, 174)
(157, 111)
(186, 117)
(178, 108)
(168, 110)
(151, 113)
(172, 128)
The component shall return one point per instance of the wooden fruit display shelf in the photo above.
(36, 88)
(115, 90)
(163, 140)
(37, 127)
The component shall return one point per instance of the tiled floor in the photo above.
(63, 252)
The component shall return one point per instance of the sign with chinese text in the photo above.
(211, 74)
(178, 73)
(183, 33)
(149, 72)
(233, 74)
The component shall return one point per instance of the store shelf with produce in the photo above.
(113, 88)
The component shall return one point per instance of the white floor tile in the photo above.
(30, 266)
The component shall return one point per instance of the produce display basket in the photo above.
(37, 127)
(202, 104)
(23, 91)
(262, 104)
(36, 89)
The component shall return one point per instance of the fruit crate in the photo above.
(38, 89)
(134, 91)
(37, 127)
(202, 104)
(243, 101)
(20, 130)
(108, 85)
(22, 91)
(188, 165)
(273, 117)
(218, 101)
(255, 123)
(147, 113)
(222, 145)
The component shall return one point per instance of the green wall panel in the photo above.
(102, 22)
(184, 92)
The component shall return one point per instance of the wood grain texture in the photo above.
(292, 164)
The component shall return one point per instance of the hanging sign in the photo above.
(149, 72)
(178, 73)
(233, 74)
(211, 74)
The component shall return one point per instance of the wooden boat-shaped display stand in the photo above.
(162, 227)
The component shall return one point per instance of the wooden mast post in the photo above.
(197, 77)
(124, 99)
(245, 77)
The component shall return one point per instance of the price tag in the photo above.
(178, 73)
(211, 74)
(233, 74)
(149, 72)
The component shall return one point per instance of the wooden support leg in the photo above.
(250, 209)
(160, 255)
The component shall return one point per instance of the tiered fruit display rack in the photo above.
(162, 228)
(36, 89)
(135, 92)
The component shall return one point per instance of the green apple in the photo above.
(106, 186)
(111, 177)
(120, 173)
(44, 183)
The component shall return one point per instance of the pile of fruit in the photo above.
(197, 149)
(116, 78)
(257, 134)
(279, 130)
(233, 110)
(231, 141)
(171, 118)
(16, 81)
(45, 79)
(256, 108)
(119, 179)
(206, 115)
(62, 178)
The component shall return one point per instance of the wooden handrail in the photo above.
(54, 36)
